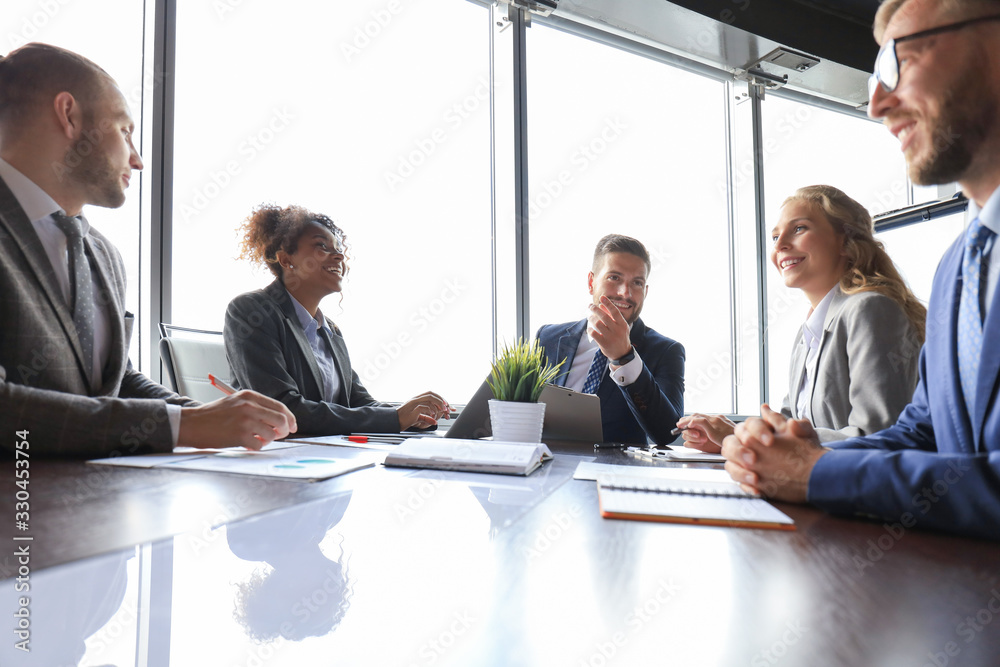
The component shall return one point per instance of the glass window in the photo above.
(375, 113)
(916, 249)
(805, 145)
(620, 143)
(112, 38)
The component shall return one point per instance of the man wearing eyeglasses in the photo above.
(936, 87)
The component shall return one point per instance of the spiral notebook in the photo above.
(712, 503)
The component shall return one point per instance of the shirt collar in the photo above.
(813, 330)
(989, 214)
(36, 203)
(308, 322)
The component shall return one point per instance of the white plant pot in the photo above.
(512, 421)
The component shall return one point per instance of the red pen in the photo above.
(220, 385)
(357, 438)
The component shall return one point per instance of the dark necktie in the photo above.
(970, 318)
(597, 369)
(81, 286)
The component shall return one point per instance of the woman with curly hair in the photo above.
(854, 365)
(280, 344)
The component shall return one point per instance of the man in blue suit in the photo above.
(637, 373)
(937, 88)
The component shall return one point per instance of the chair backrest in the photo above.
(189, 355)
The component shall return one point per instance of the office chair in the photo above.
(190, 357)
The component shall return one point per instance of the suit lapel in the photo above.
(832, 313)
(989, 370)
(105, 298)
(17, 224)
(340, 358)
(945, 314)
(277, 291)
(795, 372)
(568, 343)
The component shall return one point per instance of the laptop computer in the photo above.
(569, 415)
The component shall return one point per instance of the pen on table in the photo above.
(651, 453)
(389, 440)
(220, 385)
(610, 445)
(679, 430)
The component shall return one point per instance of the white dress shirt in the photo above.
(989, 216)
(324, 355)
(812, 334)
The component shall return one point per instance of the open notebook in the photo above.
(507, 458)
(673, 500)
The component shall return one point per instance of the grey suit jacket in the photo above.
(866, 367)
(269, 353)
(43, 381)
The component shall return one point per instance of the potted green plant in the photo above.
(517, 377)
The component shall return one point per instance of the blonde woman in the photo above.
(854, 364)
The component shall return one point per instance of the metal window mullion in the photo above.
(519, 24)
(729, 94)
(756, 98)
(162, 167)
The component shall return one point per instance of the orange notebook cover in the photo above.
(692, 502)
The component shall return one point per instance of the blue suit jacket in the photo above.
(651, 405)
(935, 467)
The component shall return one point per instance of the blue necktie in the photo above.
(597, 369)
(81, 286)
(970, 319)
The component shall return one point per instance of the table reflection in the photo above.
(299, 592)
(67, 610)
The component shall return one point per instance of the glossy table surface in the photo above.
(401, 567)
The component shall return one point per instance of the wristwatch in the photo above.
(629, 356)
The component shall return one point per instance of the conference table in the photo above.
(390, 566)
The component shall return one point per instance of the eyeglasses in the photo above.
(887, 64)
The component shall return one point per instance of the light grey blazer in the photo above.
(866, 367)
(43, 385)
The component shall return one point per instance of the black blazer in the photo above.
(269, 353)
